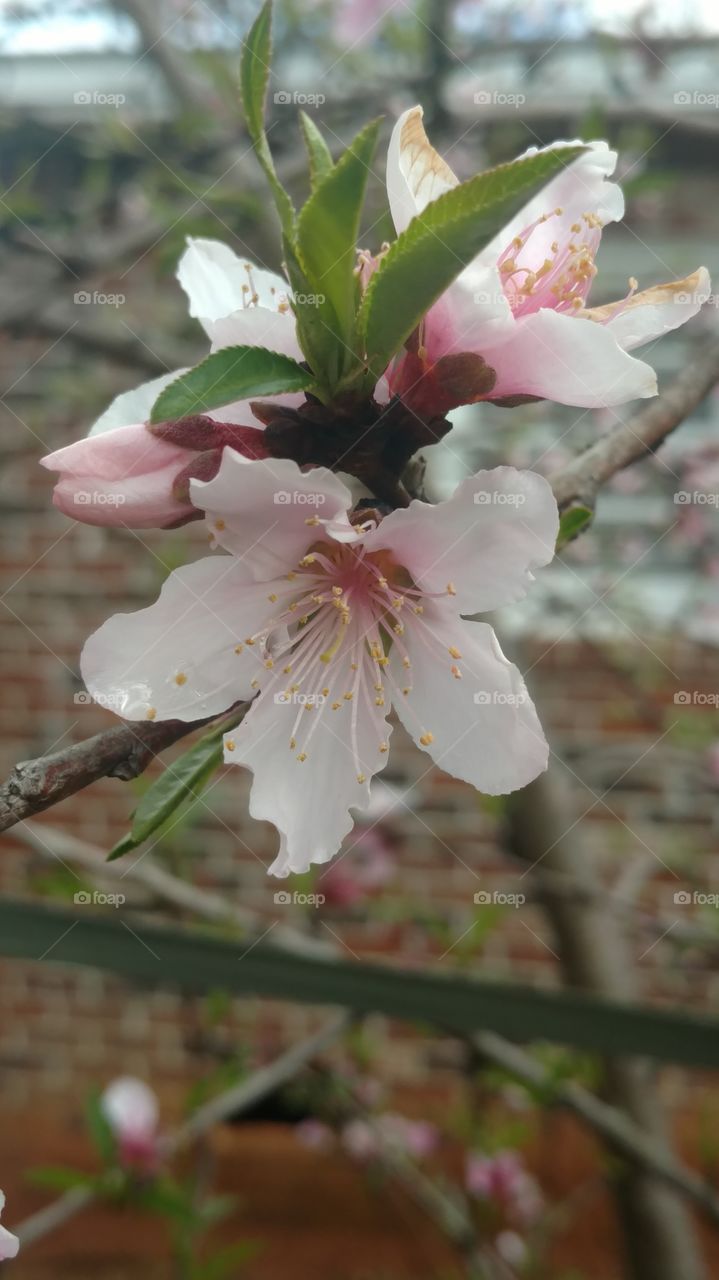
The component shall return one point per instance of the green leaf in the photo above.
(327, 230)
(321, 162)
(100, 1131)
(59, 1178)
(440, 242)
(573, 522)
(184, 778)
(459, 1004)
(234, 373)
(254, 76)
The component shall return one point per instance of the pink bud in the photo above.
(138, 476)
(131, 1110)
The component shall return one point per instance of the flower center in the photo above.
(538, 273)
(327, 646)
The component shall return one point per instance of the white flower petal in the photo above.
(485, 540)
(131, 1107)
(484, 728)
(9, 1244)
(134, 406)
(557, 357)
(177, 659)
(218, 282)
(257, 327)
(309, 801)
(416, 173)
(654, 311)
(267, 512)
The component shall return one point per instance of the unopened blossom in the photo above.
(132, 1112)
(327, 623)
(9, 1244)
(515, 322)
(503, 1180)
(127, 472)
(139, 475)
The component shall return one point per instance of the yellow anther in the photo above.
(219, 525)
(325, 693)
(293, 744)
(418, 609)
(291, 575)
(406, 691)
(453, 652)
(309, 559)
(337, 591)
(151, 713)
(406, 663)
(249, 640)
(398, 629)
(451, 589)
(254, 684)
(426, 739)
(302, 757)
(361, 777)
(379, 702)
(272, 598)
(456, 673)
(180, 678)
(312, 520)
(269, 663)
(347, 697)
(287, 670)
(384, 747)
(230, 744)
(239, 648)
(336, 706)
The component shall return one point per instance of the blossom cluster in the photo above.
(323, 611)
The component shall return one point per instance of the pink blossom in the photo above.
(359, 1139)
(131, 1110)
(301, 610)
(9, 1244)
(139, 475)
(418, 1138)
(127, 473)
(521, 304)
(503, 1179)
(367, 866)
(314, 1135)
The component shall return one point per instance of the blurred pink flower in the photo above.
(315, 1135)
(132, 1113)
(357, 21)
(503, 1179)
(367, 867)
(713, 760)
(9, 1244)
